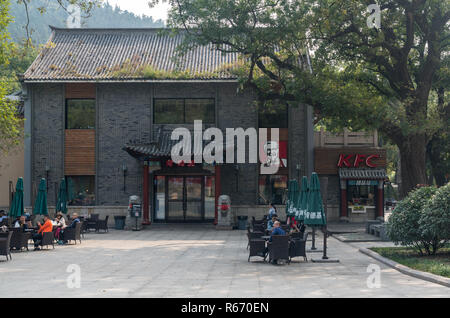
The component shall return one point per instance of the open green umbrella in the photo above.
(292, 198)
(40, 205)
(315, 215)
(16, 209)
(61, 205)
(302, 202)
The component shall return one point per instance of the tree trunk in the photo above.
(413, 158)
(437, 166)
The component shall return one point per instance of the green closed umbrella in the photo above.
(302, 202)
(315, 215)
(40, 205)
(61, 205)
(292, 198)
(17, 204)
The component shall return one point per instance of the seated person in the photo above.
(22, 223)
(3, 216)
(277, 230)
(272, 222)
(72, 225)
(60, 221)
(47, 227)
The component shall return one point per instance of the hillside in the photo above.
(104, 17)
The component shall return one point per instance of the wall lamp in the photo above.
(47, 172)
(124, 170)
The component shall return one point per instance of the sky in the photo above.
(140, 7)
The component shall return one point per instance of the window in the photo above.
(273, 116)
(80, 114)
(272, 188)
(184, 111)
(81, 190)
(361, 192)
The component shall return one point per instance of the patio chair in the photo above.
(259, 228)
(298, 247)
(19, 239)
(91, 223)
(48, 239)
(279, 248)
(102, 225)
(73, 234)
(5, 242)
(252, 236)
(257, 248)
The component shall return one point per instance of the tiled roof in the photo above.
(162, 147)
(362, 174)
(124, 55)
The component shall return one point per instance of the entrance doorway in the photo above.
(184, 198)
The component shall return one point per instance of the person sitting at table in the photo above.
(3, 216)
(47, 227)
(277, 230)
(272, 222)
(72, 225)
(22, 223)
(60, 223)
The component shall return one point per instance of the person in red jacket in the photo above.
(46, 227)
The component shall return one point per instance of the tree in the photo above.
(10, 124)
(362, 76)
(85, 6)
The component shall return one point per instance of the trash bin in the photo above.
(120, 222)
(242, 222)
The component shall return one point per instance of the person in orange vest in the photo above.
(47, 227)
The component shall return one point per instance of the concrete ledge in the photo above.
(406, 270)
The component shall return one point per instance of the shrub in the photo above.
(435, 219)
(403, 226)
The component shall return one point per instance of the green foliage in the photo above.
(131, 69)
(20, 58)
(422, 220)
(5, 19)
(10, 124)
(403, 225)
(359, 77)
(438, 264)
(435, 217)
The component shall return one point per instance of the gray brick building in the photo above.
(101, 103)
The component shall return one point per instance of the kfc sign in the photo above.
(354, 161)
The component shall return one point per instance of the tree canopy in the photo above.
(361, 74)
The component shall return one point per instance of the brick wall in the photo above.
(125, 112)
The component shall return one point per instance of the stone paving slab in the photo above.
(196, 261)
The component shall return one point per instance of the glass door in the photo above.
(175, 199)
(193, 199)
(185, 199)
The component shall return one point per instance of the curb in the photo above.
(406, 270)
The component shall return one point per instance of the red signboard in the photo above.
(355, 160)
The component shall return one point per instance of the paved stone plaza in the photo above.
(196, 261)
